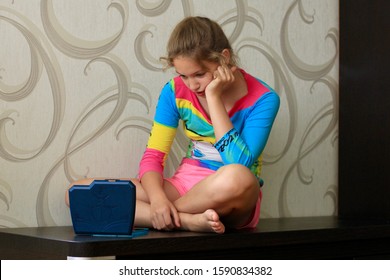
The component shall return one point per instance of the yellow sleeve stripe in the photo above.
(161, 137)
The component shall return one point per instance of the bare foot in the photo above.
(207, 221)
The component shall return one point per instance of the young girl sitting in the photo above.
(227, 116)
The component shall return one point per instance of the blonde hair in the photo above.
(201, 39)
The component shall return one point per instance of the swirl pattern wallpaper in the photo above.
(79, 82)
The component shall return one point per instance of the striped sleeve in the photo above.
(163, 132)
(246, 146)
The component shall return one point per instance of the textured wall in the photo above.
(79, 81)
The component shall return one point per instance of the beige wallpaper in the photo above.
(79, 81)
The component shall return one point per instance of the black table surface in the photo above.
(281, 238)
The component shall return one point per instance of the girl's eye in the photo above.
(197, 75)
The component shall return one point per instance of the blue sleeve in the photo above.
(166, 110)
(246, 146)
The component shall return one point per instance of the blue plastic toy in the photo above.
(105, 207)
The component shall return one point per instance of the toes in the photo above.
(214, 221)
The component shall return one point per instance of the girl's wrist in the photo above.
(213, 97)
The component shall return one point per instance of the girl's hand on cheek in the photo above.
(222, 78)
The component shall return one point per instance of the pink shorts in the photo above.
(254, 219)
(188, 175)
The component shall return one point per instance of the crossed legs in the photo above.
(224, 199)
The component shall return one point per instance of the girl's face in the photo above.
(195, 76)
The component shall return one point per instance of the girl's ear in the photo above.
(226, 56)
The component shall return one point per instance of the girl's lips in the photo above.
(200, 93)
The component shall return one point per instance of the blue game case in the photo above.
(105, 207)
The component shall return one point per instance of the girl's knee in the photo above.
(237, 179)
(239, 173)
(238, 191)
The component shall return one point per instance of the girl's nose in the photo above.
(193, 85)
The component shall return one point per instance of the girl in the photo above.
(227, 116)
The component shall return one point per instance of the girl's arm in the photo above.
(223, 77)
(246, 146)
(163, 213)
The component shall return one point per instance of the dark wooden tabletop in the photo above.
(282, 238)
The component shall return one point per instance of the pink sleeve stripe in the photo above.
(152, 160)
